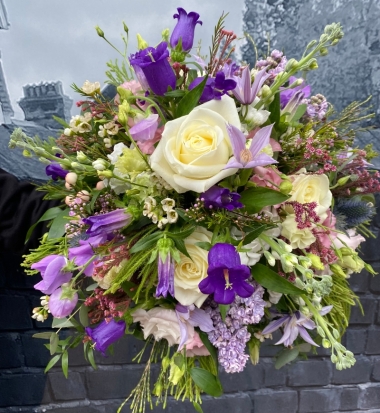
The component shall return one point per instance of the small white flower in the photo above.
(162, 222)
(172, 216)
(100, 164)
(168, 204)
(90, 88)
(67, 132)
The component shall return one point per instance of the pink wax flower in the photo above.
(266, 177)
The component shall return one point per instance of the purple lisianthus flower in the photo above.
(165, 276)
(63, 301)
(106, 223)
(249, 158)
(53, 277)
(218, 197)
(215, 87)
(244, 92)
(286, 95)
(226, 276)
(193, 316)
(106, 333)
(56, 171)
(82, 254)
(294, 325)
(184, 29)
(154, 64)
(145, 129)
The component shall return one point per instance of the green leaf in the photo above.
(65, 363)
(94, 196)
(286, 356)
(57, 228)
(223, 310)
(252, 235)
(61, 121)
(83, 316)
(92, 287)
(275, 110)
(45, 336)
(61, 323)
(190, 100)
(146, 242)
(130, 288)
(47, 216)
(204, 245)
(52, 362)
(89, 355)
(206, 381)
(255, 199)
(299, 112)
(180, 245)
(197, 407)
(181, 234)
(174, 93)
(211, 349)
(272, 281)
(54, 339)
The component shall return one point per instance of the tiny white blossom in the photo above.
(90, 88)
(168, 204)
(172, 216)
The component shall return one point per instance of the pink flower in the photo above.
(352, 240)
(326, 236)
(195, 347)
(132, 85)
(147, 147)
(266, 177)
(63, 301)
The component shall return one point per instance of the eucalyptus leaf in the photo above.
(286, 356)
(54, 339)
(272, 281)
(255, 199)
(206, 381)
(57, 228)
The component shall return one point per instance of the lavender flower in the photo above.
(226, 276)
(52, 274)
(106, 223)
(165, 276)
(244, 92)
(63, 301)
(252, 157)
(56, 171)
(218, 197)
(153, 62)
(286, 95)
(184, 29)
(316, 106)
(145, 129)
(215, 87)
(106, 333)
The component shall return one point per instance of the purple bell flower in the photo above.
(85, 251)
(226, 276)
(215, 87)
(63, 301)
(154, 64)
(53, 277)
(106, 333)
(56, 171)
(145, 129)
(165, 276)
(184, 29)
(106, 223)
(218, 197)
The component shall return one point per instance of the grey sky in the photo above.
(55, 40)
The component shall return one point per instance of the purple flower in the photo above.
(154, 64)
(215, 87)
(246, 93)
(226, 276)
(229, 69)
(145, 129)
(293, 325)
(184, 29)
(106, 333)
(217, 197)
(286, 95)
(252, 157)
(85, 251)
(63, 301)
(56, 171)
(165, 276)
(106, 223)
(53, 277)
(193, 316)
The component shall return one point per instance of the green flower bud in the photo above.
(26, 153)
(324, 51)
(124, 93)
(343, 181)
(326, 344)
(141, 43)
(105, 174)
(291, 65)
(99, 31)
(337, 270)
(165, 35)
(286, 187)
(313, 65)
(82, 157)
(315, 261)
(165, 363)
(265, 92)
(125, 28)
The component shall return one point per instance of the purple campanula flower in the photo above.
(56, 171)
(106, 333)
(215, 87)
(53, 277)
(184, 29)
(244, 92)
(218, 197)
(85, 251)
(145, 129)
(106, 223)
(286, 95)
(226, 276)
(63, 301)
(249, 158)
(165, 276)
(153, 62)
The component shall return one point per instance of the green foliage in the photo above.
(255, 199)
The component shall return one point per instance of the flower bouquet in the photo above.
(203, 208)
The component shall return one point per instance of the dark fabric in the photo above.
(20, 207)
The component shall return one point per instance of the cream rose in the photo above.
(194, 149)
(189, 273)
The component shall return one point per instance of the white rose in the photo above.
(190, 272)
(299, 238)
(312, 188)
(194, 149)
(162, 324)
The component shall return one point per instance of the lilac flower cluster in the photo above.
(231, 335)
(276, 63)
(316, 106)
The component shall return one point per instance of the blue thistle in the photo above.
(355, 211)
